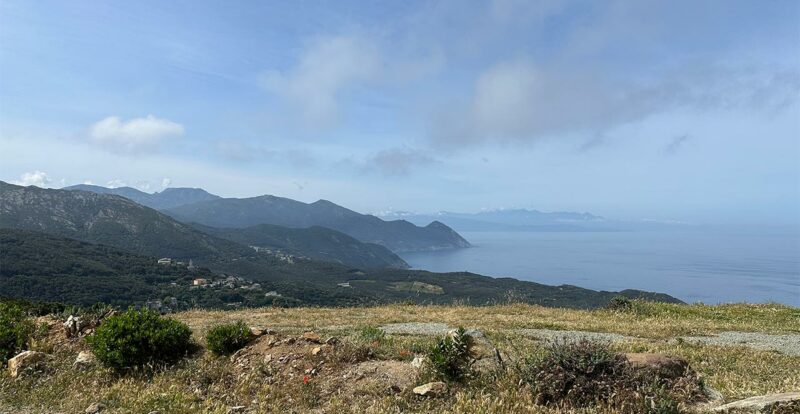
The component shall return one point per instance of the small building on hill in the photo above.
(165, 261)
(200, 282)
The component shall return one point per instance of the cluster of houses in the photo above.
(288, 258)
(231, 282)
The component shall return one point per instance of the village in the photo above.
(170, 304)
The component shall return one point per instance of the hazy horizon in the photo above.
(628, 110)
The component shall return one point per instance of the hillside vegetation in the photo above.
(315, 242)
(292, 370)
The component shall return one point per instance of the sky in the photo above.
(657, 110)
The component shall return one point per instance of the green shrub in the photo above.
(372, 334)
(15, 330)
(449, 356)
(620, 303)
(229, 338)
(139, 337)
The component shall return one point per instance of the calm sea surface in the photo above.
(709, 266)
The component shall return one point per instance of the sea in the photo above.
(709, 265)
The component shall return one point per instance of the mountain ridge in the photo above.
(167, 198)
(397, 235)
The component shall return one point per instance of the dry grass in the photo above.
(205, 383)
(647, 320)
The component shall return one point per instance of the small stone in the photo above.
(95, 408)
(256, 331)
(316, 350)
(23, 361)
(267, 358)
(332, 341)
(236, 409)
(84, 360)
(312, 337)
(418, 362)
(431, 388)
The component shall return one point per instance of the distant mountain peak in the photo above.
(167, 198)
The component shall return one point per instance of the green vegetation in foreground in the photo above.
(136, 338)
(205, 383)
(228, 338)
(14, 330)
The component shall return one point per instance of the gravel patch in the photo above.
(551, 335)
(417, 328)
(786, 344)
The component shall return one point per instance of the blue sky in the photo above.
(677, 110)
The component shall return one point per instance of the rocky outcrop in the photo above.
(786, 402)
(84, 360)
(95, 408)
(432, 389)
(23, 361)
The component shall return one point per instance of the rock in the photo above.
(84, 360)
(332, 341)
(312, 337)
(418, 362)
(73, 326)
(712, 395)
(760, 404)
(24, 360)
(316, 350)
(95, 408)
(431, 388)
(662, 365)
(256, 331)
(236, 409)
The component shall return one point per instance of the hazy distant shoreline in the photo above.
(710, 266)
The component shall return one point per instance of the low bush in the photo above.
(620, 304)
(137, 338)
(228, 338)
(15, 330)
(449, 356)
(584, 373)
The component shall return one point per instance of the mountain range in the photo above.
(53, 237)
(168, 198)
(192, 205)
(397, 235)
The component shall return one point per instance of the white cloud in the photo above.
(328, 66)
(116, 183)
(520, 101)
(166, 182)
(37, 178)
(137, 135)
